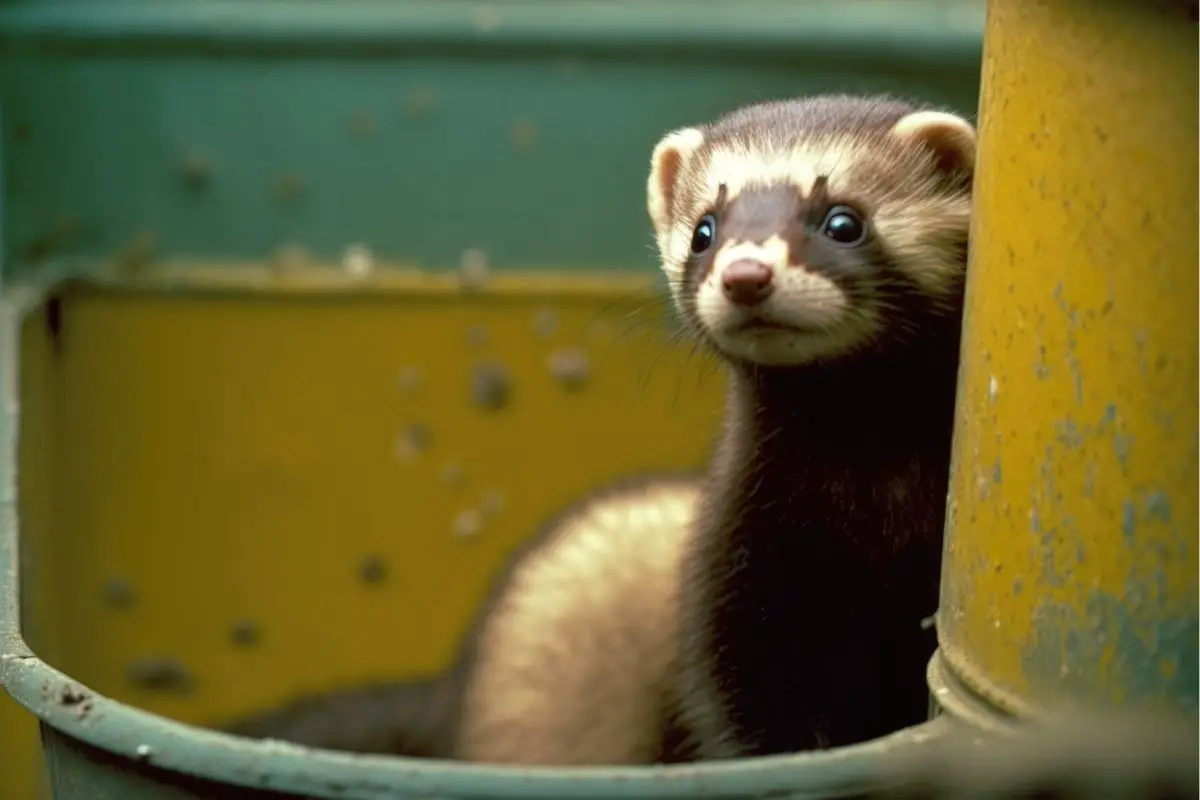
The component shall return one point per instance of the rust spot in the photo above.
(414, 440)
(473, 269)
(525, 135)
(468, 523)
(545, 323)
(137, 253)
(362, 125)
(196, 170)
(70, 695)
(57, 238)
(372, 570)
(52, 312)
(477, 336)
(245, 633)
(409, 380)
(490, 386)
(453, 473)
(570, 367)
(358, 261)
(493, 502)
(290, 258)
(486, 18)
(289, 187)
(420, 101)
(160, 674)
(118, 592)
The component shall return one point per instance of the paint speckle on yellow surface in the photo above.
(258, 477)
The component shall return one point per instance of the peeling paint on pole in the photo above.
(1075, 577)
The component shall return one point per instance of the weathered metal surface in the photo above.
(158, 758)
(112, 333)
(226, 128)
(1071, 561)
(267, 447)
(106, 748)
(22, 774)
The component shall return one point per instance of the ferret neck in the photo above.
(892, 398)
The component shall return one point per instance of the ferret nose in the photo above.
(747, 282)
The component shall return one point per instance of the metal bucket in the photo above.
(99, 744)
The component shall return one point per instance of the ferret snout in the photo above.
(747, 282)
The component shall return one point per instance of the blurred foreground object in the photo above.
(1101, 756)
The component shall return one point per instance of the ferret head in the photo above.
(806, 230)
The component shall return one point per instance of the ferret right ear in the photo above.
(948, 136)
(666, 164)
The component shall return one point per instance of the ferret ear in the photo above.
(950, 137)
(666, 165)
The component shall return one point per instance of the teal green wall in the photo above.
(104, 101)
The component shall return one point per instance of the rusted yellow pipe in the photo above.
(1071, 561)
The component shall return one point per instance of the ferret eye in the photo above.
(844, 226)
(704, 234)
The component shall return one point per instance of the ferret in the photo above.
(776, 604)
(819, 246)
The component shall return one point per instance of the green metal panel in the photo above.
(227, 128)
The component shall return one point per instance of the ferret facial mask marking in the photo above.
(783, 250)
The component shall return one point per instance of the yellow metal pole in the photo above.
(1071, 561)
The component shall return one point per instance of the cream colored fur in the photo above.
(579, 647)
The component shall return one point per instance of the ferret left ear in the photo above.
(667, 162)
(949, 137)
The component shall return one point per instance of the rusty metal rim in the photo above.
(968, 680)
(954, 696)
(79, 712)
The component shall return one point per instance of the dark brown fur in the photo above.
(413, 719)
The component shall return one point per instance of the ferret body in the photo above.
(818, 247)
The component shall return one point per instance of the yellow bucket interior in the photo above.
(237, 490)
